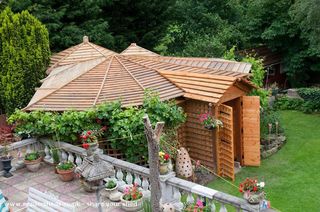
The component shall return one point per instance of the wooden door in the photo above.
(251, 130)
(225, 151)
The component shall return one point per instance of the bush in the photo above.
(25, 55)
(125, 128)
(286, 103)
(309, 103)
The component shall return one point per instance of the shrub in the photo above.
(32, 156)
(125, 128)
(286, 103)
(25, 55)
(65, 165)
(311, 97)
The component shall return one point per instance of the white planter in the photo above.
(135, 205)
(113, 194)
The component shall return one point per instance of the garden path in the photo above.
(45, 180)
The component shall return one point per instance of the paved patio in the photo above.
(45, 180)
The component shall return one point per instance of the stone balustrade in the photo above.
(173, 188)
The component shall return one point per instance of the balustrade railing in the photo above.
(173, 189)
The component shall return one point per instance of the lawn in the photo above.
(291, 175)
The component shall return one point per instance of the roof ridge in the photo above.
(135, 45)
(156, 59)
(94, 46)
(103, 81)
(133, 77)
(76, 47)
(67, 83)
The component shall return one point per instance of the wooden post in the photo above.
(153, 137)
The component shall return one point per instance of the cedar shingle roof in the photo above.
(79, 79)
(79, 53)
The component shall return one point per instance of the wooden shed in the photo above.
(86, 75)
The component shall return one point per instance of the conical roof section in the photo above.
(79, 53)
(134, 49)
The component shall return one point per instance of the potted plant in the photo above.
(112, 190)
(89, 140)
(6, 159)
(252, 191)
(209, 122)
(132, 199)
(55, 157)
(198, 206)
(32, 161)
(164, 161)
(66, 171)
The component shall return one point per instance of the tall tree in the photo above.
(25, 54)
(202, 28)
(290, 27)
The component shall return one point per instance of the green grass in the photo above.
(292, 175)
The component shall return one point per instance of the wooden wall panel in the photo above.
(198, 140)
(251, 130)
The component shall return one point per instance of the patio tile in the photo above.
(66, 188)
(24, 186)
(44, 178)
(19, 196)
(10, 191)
(14, 180)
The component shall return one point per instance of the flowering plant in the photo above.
(91, 136)
(210, 122)
(198, 206)
(132, 193)
(251, 185)
(164, 157)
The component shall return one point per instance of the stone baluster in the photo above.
(190, 198)
(48, 158)
(137, 179)
(64, 156)
(129, 178)
(28, 149)
(78, 160)
(70, 157)
(145, 186)
(177, 199)
(120, 180)
(223, 208)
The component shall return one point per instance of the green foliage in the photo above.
(24, 57)
(65, 166)
(32, 156)
(201, 28)
(286, 103)
(55, 155)
(269, 116)
(125, 129)
(111, 184)
(147, 206)
(257, 74)
(112, 24)
(310, 102)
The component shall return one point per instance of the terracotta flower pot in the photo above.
(254, 197)
(163, 168)
(66, 175)
(135, 205)
(33, 165)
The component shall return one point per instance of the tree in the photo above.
(25, 55)
(203, 28)
(289, 27)
(109, 23)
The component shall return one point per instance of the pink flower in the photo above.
(199, 203)
(126, 190)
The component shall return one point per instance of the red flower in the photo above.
(104, 128)
(241, 190)
(255, 188)
(99, 121)
(85, 145)
(89, 132)
(166, 156)
(85, 137)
